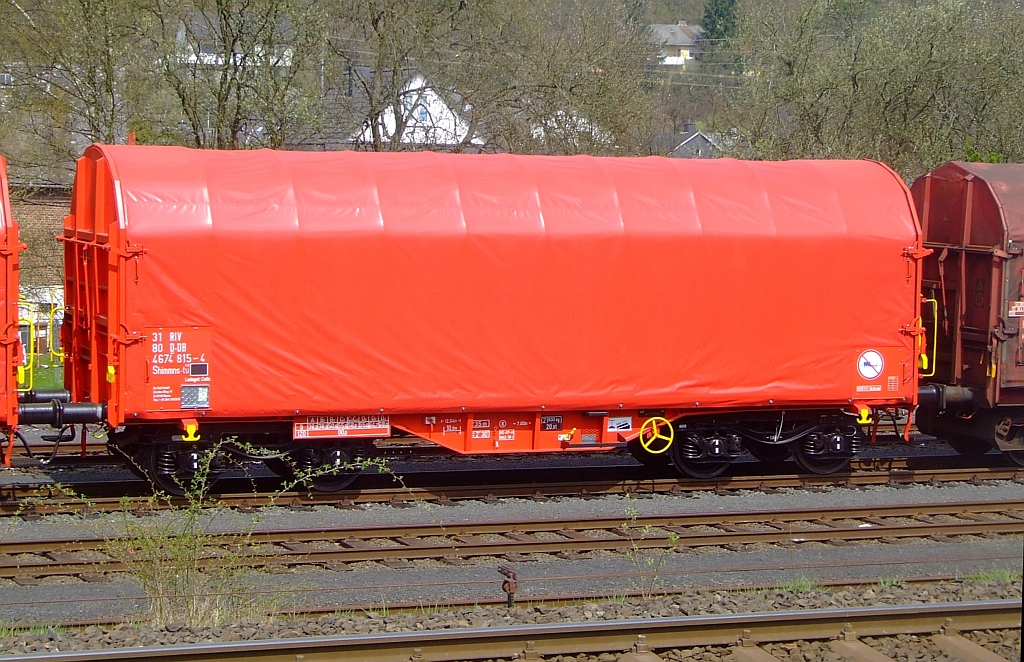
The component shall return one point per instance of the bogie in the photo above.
(173, 466)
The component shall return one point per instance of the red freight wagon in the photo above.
(10, 341)
(489, 303)
(973, 220)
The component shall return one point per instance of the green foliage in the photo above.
(149, 132)
(560, 76)
(54, 493)
(974, 156)
(51, 376)
(910, 84)
(42, 630)
(719, 21)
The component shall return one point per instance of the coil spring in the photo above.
(812, 444)
(690, 447)
(856, 441)
(817, 443)
(308, 459)
(166, 463)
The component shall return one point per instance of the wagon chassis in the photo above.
(701, 447)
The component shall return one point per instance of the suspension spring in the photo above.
(856, 442)
(690, 447)
(166, 463)
(813, 444)
(308, 459)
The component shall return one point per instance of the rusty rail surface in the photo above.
(454, 543)
(530, 642)
(31, 500)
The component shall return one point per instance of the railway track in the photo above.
(743, 632)
(399, 546)
(31, 500)
(309, 607)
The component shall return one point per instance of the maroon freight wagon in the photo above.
(313, 302)
(973, 219)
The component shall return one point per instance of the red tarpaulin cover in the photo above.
(352, 282)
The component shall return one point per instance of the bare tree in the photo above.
(532, 76)
(72, 68)
(243, 71)
(558, 76)
(912, 84)
(384, 53)
(565, 78)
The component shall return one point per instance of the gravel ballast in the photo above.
(432, 583)
(511, 510)
(691, 603)
(429, 582)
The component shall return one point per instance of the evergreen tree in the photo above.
(719, 19)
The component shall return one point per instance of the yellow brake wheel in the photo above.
(656, 435)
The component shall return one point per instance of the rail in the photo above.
(35, 499)
(572, 638)
(458, 541)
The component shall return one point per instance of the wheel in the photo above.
(768, 453)
(968, 446)
(335, 482)
(1017, 457)
(327, 464)
(703, 470)
(331, 474)
(163, 466)
(281, 467)
(817, 464)
(645, 458)
(132, 458)
(172, 468)
(686, 458)
(828, 449)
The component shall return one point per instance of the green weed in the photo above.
(647, 560)
(799, 584)
(189, 575)
(995, 575)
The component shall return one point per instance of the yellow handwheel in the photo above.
(656, 435)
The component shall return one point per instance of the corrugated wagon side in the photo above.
(973, 220)
(312, 302)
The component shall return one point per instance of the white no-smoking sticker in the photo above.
(870, 364)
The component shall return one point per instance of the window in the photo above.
(423, 113)
(6, 79)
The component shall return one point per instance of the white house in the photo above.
(678, 42)
(427, 118)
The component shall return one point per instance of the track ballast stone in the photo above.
(691, 603)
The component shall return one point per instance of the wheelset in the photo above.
(330, 466)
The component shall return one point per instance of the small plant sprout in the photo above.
(191, 575)
(647, 557)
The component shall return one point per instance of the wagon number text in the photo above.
(177, 350)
